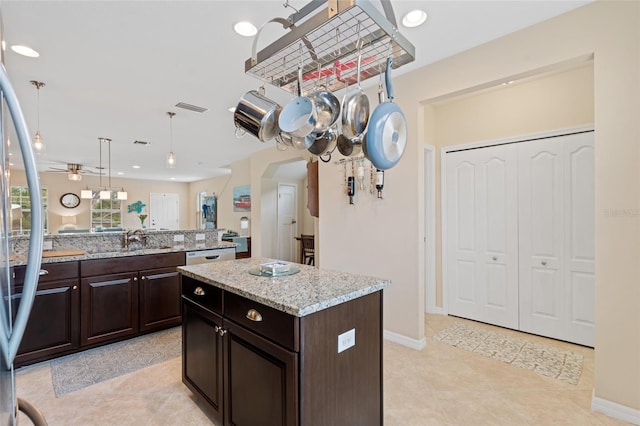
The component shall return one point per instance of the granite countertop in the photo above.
(311, 290)
(18, 260)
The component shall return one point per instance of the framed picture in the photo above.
(242, 198)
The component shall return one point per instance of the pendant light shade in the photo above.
(86, 194)
(38, 143)
(171, 157)
(76, 177)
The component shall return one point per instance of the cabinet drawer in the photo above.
(205, 295)
(55, 271)
(117, 265)
(271, 323)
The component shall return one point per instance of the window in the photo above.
(21, 209)
(105, 213)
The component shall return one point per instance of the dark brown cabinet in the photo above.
(202, 355)
(278, 369)
(159, 298)
(53, 325)
(122, 297)
(109, 307)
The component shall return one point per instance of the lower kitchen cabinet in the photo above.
(159, 298)
(278, 369)
(109, 307)
(53, 325)
(203, 355)
(261, 376)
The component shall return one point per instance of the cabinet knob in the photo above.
(222, 332)
(75, 287)
(495, 258)
(254, 315)
(199, 291)
(544, 263)
(143, 278)
(43, 272)
(135, 278)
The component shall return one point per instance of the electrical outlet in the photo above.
(346, 340)
(47, 245)
(199, 237)
(178, 238)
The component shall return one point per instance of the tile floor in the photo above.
(440, 385)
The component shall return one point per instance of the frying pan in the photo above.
(355, 107)
(298, 117)
(387, 134)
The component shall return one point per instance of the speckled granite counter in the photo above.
(304, 293)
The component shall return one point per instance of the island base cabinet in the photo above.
(109, 307)
(261, 380)
(202, 355)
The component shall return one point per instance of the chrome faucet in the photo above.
(137, 236)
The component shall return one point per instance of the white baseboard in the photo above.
(404, 340)
(615, 410)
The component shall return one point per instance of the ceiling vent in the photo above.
(190, 107)
(144, 143)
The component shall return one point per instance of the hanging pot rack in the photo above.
(331, 31)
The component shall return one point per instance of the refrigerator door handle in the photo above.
(10, 343)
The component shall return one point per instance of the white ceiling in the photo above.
(114, 68)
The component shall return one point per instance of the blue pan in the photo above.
(386, 137)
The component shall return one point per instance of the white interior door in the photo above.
(482, 250)
(287, 222)
(557, 251)
(164, 212)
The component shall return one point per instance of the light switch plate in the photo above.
(199, 237)
(346, 340)
(178, 238)
(47, 245)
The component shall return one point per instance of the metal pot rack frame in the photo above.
(326, 45)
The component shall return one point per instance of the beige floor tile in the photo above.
(440, 385)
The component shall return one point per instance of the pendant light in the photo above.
(105, 193)
(171, 157)
(38, 144)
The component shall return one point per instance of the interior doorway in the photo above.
(164, 211)
(287, 221)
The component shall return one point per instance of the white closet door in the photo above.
(482, 235)
(164, 212)
(580, 238)
(556, 231)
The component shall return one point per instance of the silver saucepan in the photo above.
(258, 115)
(298, 117)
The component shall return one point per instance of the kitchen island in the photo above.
(301, 349)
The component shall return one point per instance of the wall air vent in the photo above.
(194, 108)
(144, 143)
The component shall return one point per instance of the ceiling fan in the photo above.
(74, 171)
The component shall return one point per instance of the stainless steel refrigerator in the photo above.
(13, 320)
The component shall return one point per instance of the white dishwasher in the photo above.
(211, 255)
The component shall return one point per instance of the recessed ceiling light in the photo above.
(120, 173)
(172, 178)
(244, 28)
(414, 18)
(24, 51)
(135, 166)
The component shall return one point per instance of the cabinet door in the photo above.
(53, 325)
(259, 375)
(159, 298)
(109, 307)
(202, 355)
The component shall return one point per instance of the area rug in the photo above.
(542, 359)
(77, 371)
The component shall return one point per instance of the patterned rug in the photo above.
(542, 359)
(76, 371)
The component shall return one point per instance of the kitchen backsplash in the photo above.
(113, 241)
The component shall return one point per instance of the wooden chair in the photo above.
(308, 249)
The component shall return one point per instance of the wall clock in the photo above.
(70, 200)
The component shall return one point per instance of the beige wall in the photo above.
(387, 238)
(559, 100)
(138, 190)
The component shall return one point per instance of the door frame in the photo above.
(430, 230)
(443, 185)
(295, 210)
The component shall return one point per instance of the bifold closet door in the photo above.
(556, 237)
(482, 234)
